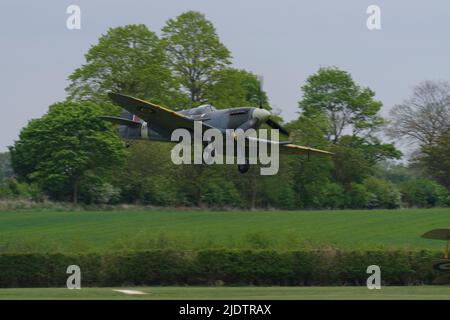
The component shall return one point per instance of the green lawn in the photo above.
(84, 231)
(227, 293)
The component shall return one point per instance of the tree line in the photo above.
(69, 155)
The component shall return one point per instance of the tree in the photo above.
(149, 176)
(65, 147)
(195, 52)
(425, 116)
(356, 157)
(311, 176)
(129, 60)
(5, 166)
(384, 194)
(338, 105)
(235, 88)
(424, 193)
(347, 116)
(436, 159)
(395, 172)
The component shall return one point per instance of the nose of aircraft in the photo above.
(261, 114)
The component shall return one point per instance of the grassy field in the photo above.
(228, 293)
(24, 231)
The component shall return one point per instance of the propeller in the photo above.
(249, 124)
(271, 123)
(276, 125)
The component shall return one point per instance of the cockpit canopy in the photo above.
(204, 108)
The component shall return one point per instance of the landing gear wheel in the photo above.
(243, 168)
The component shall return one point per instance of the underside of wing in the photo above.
(301, 150)
(287, 147)
(161, 119)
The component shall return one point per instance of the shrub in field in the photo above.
(12, 189)
(358, 196)
(423, 193)
(383, 194)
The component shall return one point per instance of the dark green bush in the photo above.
(423, 193)
(210, 267)
(383, 194)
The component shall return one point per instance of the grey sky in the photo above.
(284, 40)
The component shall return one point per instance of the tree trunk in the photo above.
(75, 192)
(254, 191)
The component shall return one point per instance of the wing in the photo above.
(160, 119)
(300, 150)
(287, 147)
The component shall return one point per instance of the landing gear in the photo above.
(128, 143)
(243, 168)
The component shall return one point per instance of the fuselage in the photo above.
(221, 119)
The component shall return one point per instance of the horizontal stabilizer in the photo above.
(121, 121)
(438, 234)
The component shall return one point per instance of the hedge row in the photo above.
(214, 267)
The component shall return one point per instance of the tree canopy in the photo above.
(195, 52)
(129, 60)
(425, 116)
(235, 88)
(62, 149)
(339, 105)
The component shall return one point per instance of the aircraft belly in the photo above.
(153, 135)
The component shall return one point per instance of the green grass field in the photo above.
(229, 293)
(84, 231)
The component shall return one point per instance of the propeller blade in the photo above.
(249, 124)
(275, 125)
(260, 92)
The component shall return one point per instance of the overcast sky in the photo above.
(284, 40)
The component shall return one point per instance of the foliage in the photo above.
(63, 148)
(235, 88)
(129, 60)
(207, 267)
(5, 166)
(356, 157)
(12, 189)
(425, 116)
(358, 196)
(331, 97)
(424, 193)
(383, 194)
(394, 172)
(339, 113)
(194, 51)
(435, 158)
